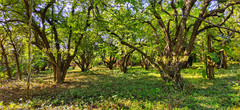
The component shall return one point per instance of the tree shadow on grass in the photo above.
(97, 89)
(219, 93)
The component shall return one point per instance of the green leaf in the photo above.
(227, 50)
(214, 57)
(204, 66)
(180, 4)
(222, 15)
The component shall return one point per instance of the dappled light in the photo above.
(139, 88)
(120, 54)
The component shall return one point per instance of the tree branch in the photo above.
(213, 12)
(186, 11)
(157, 35)
(196, 26)
(162, 25)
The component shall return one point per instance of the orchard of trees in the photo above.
(61, 38)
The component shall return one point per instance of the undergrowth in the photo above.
(101, 88)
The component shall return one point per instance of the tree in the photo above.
(15, 43)
(108, 51)
(175, 25)
(210, 64)
(145, 62)
(53, 20)
(124, 60)
(109, 62)
(5, 56)
(86, 53)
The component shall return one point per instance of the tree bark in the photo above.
(174, 76)
(54, 73)
(19, 73)
(223, 59)
(60, 74)
(210, 70)
(210, 63)
(123, 64)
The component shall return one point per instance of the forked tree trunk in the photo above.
(111, 66)
(141, 63)
(59, 75)
(110, 62)
(84, 67)
(177, 79)
(123, 65)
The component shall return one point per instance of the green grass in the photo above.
(138, 89)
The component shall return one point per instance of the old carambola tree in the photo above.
(58, 27)
(174, 24)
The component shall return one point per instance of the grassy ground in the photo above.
(138, 89)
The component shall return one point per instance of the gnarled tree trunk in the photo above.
(171, 72)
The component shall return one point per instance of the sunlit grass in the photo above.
(102, 88)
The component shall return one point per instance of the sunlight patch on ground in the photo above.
(154, 74)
